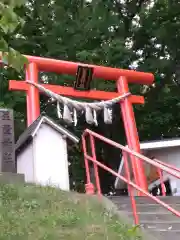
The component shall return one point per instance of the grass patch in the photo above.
(39, 213)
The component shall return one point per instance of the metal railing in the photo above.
(90, 189)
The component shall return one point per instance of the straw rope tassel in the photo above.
(107, 115)
(67, 114)
(89, 115)
(59, 110)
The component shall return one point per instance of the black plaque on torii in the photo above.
(7, 151)
(84, 77)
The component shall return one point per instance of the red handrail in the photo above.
(160, 173)
(168, 165)
(125, 150)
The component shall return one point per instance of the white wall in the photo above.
(170, 156)
(51, 160)
(25, 163)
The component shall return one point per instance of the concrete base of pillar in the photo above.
(9, 178)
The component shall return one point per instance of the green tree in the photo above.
(156, 39)
(9, 23)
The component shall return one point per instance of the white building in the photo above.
(41, 153)
(167, 151)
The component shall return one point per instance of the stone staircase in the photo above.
(155, 219)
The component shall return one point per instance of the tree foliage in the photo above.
(9, 22)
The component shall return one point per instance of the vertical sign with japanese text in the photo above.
(7, 151)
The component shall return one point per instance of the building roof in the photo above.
(28, 135)
(164, 143)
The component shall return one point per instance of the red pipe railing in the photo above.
(160, 173)
(125, 151)
(167, 165)
(130, 188)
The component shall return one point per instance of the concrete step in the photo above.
(161, 225)
(143, 207)
(155, 216)
(6, 177)
(166, 235)
(157, 220)
(144, 200)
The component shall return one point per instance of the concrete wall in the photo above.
(170, 156)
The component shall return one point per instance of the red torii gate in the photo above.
(122, 78)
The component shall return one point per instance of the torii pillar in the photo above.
(122, 78)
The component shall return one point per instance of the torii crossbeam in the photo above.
(120, 76)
